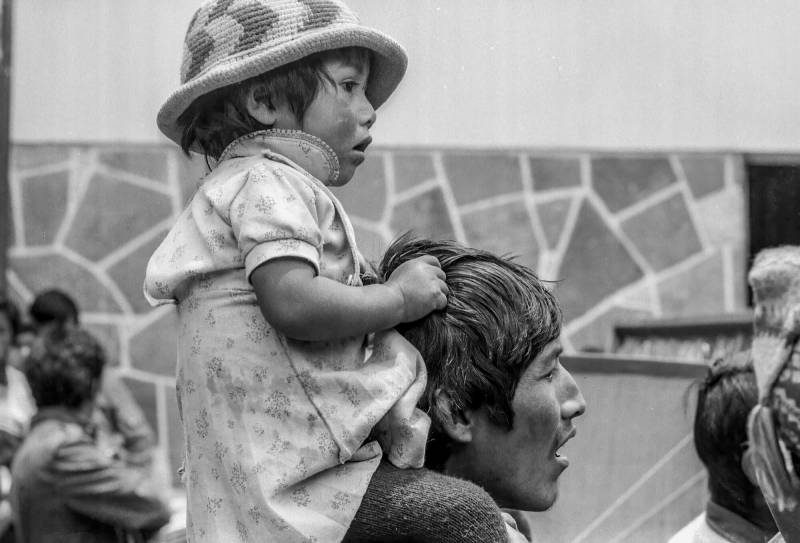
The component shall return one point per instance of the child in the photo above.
(280, 379)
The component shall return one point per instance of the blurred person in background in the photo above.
(65, 487)
(774, 423)
(120, 421)
(16, 408)
(736, 511)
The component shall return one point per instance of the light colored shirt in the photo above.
(719, 525)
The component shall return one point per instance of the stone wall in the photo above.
(625, 235)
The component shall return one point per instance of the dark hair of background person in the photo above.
(64, 367)
(724, 400)
(499, 317)
(53, 305)
(215, 119)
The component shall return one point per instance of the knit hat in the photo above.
(229, 41)
(774, 425)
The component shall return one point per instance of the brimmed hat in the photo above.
(229, 41)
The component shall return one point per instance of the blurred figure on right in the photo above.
(736, 511)
(774, 423)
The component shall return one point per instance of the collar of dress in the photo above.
(307, 151)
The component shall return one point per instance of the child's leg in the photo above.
(421, 505)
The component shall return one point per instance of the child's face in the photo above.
(340, 115)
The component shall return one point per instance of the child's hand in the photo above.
(421, 284)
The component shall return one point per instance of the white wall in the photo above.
(638, 74)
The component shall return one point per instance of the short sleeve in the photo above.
(274, 215)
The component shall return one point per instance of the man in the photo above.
(65, 487)
(501, 404)
(736, 511)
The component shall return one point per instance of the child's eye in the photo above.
(350, 86)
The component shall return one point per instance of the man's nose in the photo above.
(573, 404)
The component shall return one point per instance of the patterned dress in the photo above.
(277, 431)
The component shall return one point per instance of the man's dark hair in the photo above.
(54, 306)
(10, 310)
(499, 317)
(215, 119)
(724, 400)
(64, 367)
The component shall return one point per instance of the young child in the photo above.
(286, 363)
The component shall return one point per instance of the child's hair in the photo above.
(499, 317)
(215, 119)
(64, 366)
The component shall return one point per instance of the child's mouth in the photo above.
(362, 147)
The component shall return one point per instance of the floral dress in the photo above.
(278, 432)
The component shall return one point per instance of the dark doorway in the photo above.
(774, 203)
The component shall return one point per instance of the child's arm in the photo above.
(303, 305)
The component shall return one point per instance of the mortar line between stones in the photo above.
(567, 231)
(17, 217)
(135, 180)
(14, 280)
(490, 202)
(100, 276)
(644, 204)
(416, 190)
(80, 173)
(728, 276)
(691, 203)
(133, 244)
(606, 303)
(615, 228)
(449, 197)
(530, 206)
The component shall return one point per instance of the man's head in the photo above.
(724, 400)
(500, 402)
(228, 44)
(64, 367)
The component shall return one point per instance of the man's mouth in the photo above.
(362, 146)
(564, 442)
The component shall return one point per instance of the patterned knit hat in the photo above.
(229, 41)
(775, 423)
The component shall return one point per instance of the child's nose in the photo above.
(368, 115)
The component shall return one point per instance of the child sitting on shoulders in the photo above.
(291, 382)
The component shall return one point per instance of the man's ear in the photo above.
(748, 467)
(259, 106)
(456, 423)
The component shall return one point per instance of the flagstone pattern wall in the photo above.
(625, 235)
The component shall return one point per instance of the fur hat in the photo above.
(775, 423)
(229, 41)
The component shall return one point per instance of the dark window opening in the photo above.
(774, 205)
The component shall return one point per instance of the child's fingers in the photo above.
(430, 259)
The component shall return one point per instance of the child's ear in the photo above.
(259, 106)
(457, 424)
